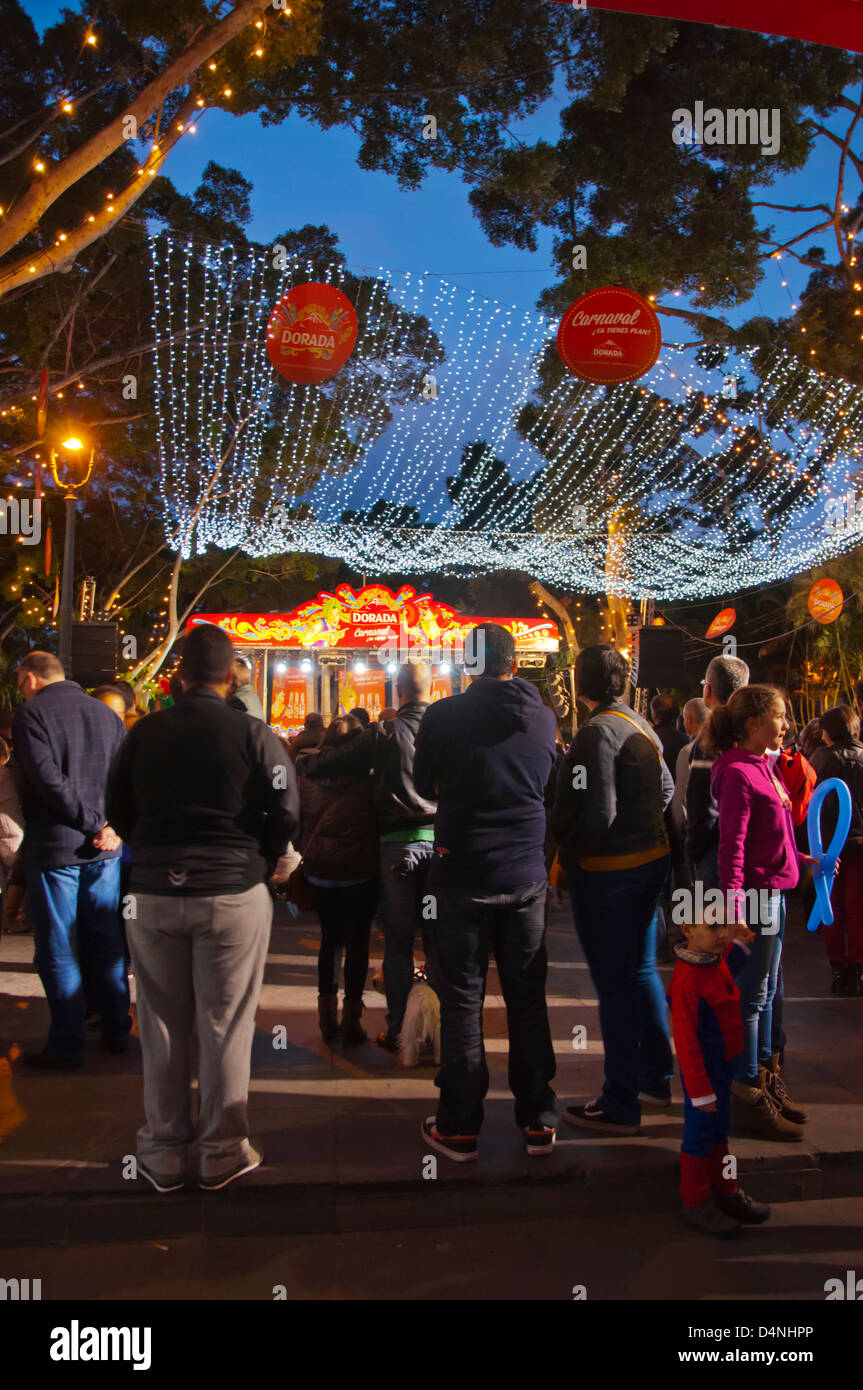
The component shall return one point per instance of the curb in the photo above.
(293, 1209)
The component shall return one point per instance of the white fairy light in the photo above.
(655, 468)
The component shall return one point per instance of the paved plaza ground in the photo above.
(341, 1130)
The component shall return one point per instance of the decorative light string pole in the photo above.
(74, 451)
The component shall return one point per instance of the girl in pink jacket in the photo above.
(758, 862)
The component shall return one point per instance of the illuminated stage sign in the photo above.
(837, 23)
(368, 618)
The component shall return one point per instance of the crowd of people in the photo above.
(158, 844)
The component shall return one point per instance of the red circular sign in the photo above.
(609, 335)
(311, 333)
(825, 600)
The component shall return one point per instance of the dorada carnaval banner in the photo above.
(373, 617)
(837, 23)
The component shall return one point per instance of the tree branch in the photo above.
(33, 206)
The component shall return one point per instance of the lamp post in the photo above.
(75, 452)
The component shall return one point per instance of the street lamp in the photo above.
(74, 455)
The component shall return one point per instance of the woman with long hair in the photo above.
(758, 863)
(340, 858)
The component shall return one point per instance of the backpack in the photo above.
(798, 777)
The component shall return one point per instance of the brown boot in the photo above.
(756, 1115)
(353, 1032)
(771, 1080)
(328, 1016)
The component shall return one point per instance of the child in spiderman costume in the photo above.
(708, 1038)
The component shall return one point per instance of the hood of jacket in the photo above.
(508, 706)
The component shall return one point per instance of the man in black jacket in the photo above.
(64, 742)
(207, 799)
(405, 828)
(487, 755)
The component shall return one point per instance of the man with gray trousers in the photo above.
(207, 800)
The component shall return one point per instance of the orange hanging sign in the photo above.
(722, 622)
(825, 600)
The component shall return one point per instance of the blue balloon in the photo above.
(825, 870)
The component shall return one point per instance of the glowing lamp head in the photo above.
(73, 444)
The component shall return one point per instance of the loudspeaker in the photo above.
(94, 653)
(660, 657)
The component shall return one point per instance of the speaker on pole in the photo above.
(660, 657)
(94, 653)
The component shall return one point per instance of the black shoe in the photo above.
(49, 1060)
(539, 1140)
(710, 1219)
(742, 1207)
(463, 1148)
(593, 1116)
(116, 1046)
(388, 1041)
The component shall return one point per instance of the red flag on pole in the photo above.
(42, 407)
(48, 549)
(38, 481)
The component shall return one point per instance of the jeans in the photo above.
(404, 876)
(345, 915)
(757, 976)
(199, 964)
(616, 924)
(467, 926)
(75, 912)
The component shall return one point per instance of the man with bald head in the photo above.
(385, 751)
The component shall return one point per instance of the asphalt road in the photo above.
(791, 1258)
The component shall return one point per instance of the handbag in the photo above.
(297, 889)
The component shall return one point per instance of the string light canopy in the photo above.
(719, 470)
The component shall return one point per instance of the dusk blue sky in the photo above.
(304, 174)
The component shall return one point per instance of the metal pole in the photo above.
(67, 584)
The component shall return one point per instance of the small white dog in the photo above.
(421, 1024)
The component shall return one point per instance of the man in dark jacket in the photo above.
(208, 800)
(405, 826)
(612, 792)
(724, 675)
(663, 717)
(486, 755)
(64, 742)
